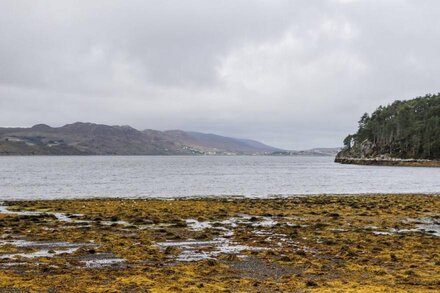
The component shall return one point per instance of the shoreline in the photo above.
(220, 197)
(388, 162)
(314, 243)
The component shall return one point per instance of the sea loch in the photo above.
(42, 177)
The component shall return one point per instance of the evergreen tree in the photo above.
(404, 129)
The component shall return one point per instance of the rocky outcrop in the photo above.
(366, 154)
(404, 133)
(388, 162)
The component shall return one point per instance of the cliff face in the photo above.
(364, 149)
(97, 139)
(405, 131)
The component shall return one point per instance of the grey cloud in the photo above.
(295, 74)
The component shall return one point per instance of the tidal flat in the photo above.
(364, 243)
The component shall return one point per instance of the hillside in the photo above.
(96, 139)
(213, 143)
(316, 152)
(405, 130)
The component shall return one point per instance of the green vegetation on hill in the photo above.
(405, 129)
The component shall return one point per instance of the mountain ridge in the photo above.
(85, 138)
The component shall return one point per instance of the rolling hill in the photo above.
(96, 139)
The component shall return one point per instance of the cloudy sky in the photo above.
(294, 74)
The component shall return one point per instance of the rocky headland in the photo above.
(405, 133)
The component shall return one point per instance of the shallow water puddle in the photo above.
(47, 244)
(232, 222)
(39, 253)
(197, 225)
(53, 248)
(45, 248)
(5, 210)
(189, 243)
(101, 260)
(62, 217)
(193, 250)
(428, 226)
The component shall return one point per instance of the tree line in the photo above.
(403, 129)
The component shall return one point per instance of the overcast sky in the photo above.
(293, 74)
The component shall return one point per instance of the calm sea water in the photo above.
(173, 176)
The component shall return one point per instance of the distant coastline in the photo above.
(97, 139)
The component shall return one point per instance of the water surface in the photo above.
(44, 177)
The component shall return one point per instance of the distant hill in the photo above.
(406, 130)
(97, 139)
(318, 152)
(214, 143)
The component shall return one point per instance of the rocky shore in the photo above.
(388, 162)
(386, 243)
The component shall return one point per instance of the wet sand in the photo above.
(386, 243)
